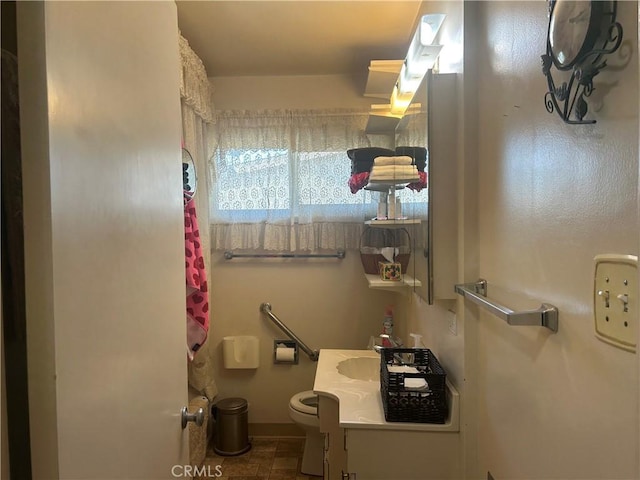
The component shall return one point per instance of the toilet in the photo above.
(303, 409)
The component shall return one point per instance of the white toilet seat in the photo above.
(305, 402)
(303, 410)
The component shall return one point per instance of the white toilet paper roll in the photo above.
(284, 354)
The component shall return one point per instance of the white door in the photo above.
(104, 247)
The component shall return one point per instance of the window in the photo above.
(280, 181)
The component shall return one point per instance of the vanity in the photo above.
(359, 443)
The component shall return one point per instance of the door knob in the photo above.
(187, 417)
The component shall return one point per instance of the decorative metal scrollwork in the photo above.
(580, 34)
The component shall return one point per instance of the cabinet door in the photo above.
(403, 455)
(443, 174)
(335, 455)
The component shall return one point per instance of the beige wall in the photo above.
(305, 91)
(551, 196)
(325, 302)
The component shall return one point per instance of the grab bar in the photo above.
(228, 255)
(313, 354)
(545, 316)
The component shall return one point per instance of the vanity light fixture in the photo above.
(421, 57)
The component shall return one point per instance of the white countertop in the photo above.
(360, 405)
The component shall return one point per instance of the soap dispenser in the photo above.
(387, 326)
(417, 343)
(382, 207)
(417, 340)
(391, 206)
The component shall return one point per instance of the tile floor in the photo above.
(269, 459)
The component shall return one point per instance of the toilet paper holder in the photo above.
(282, 350)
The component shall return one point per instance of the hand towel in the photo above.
(410, 383)
(416, 384)
(420, 184)
(402, 369)
(198, 434)
(196, 281)
(357, 181)
(200, 372)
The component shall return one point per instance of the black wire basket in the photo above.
(419, 397)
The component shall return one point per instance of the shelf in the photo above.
(381, 187)
(407, 282)
(393, 223)
(396, 182)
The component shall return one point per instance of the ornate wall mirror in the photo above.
(189, 177)
(580, 33)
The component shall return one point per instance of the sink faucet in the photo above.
(395, 342)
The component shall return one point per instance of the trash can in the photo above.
(231, 435)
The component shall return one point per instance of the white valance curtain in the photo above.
(197, 116)
(280, 180)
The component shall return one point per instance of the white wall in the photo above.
(104, 238)
(296, 92)
(551, 196)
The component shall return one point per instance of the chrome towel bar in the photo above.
(313, 354)
(228, 255)
(545, 316)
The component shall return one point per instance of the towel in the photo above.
(198, 434)
(420, 184)
(196, 280)
(397, 169)
(410, 383)
(201, 372)
(357, 181)
(400, 173)
(402, 369)
(399, 160)
(419, 384)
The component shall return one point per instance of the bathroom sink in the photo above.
(360, 368)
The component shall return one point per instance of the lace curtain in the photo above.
(280, 180)
(197, 116)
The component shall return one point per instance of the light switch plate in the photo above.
(615, 300)
(453, 322)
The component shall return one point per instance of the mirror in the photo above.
(189, 177)
(414, 134)
(435, 237)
